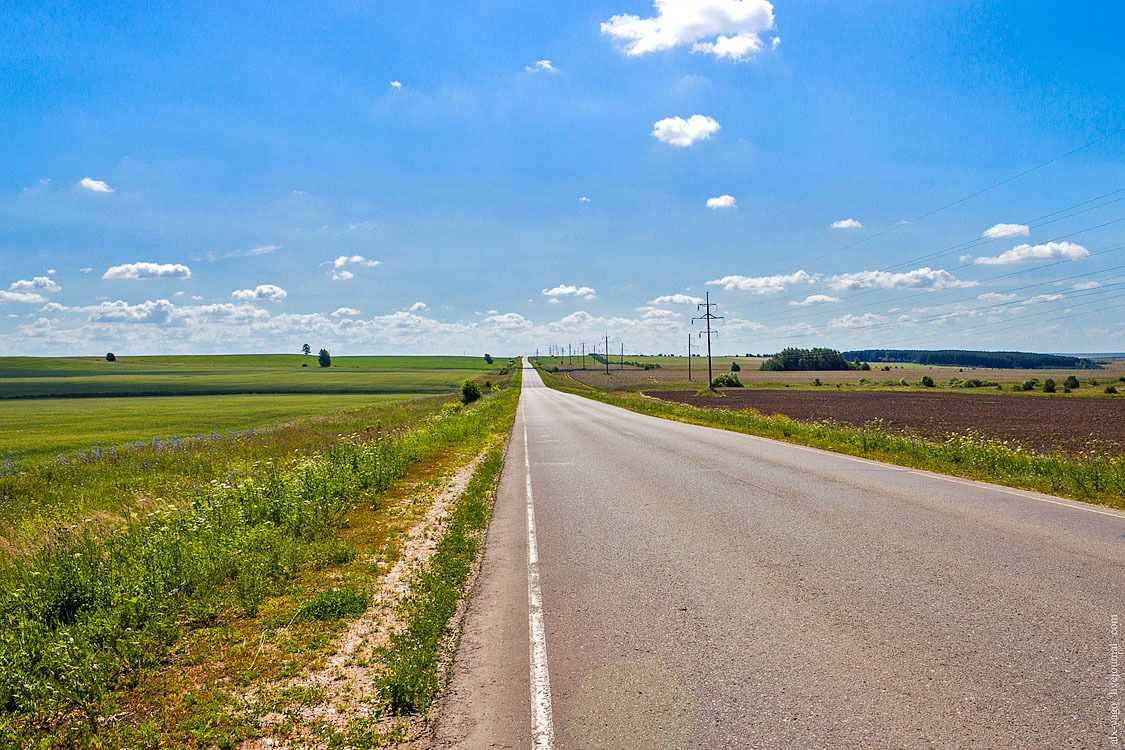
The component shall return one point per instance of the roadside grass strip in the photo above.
(412, 674)
(94, 610)
(1093, 476)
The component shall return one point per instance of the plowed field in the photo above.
(1037, 422)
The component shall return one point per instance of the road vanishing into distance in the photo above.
(652, 584)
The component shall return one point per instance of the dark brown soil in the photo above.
(1039, 423)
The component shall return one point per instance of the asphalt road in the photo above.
(705, 589)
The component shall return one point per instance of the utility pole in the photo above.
(689, 357)
(583, 355)
(708, 317)
(607, 354)
(622, 367)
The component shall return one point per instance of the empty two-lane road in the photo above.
(706, 589)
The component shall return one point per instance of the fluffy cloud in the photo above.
(151, 311)
(541, 66)
(417, 307)
(567, 290)
(1006, 230)
(677, 131)
(723, 28)
(269, 292)
(345, 312)
(96, 186)
(396, 84)
(919, 278)
(856, 321)
(676, 299)
(339, 266)
(1087, 285)
(35, 284)
(722, 201)
(846, 224)
(29, 297)
(996, 297)
(145, 270)
(763, 284)
(1025, 253)
(583, 199)
(814, 299)
(508, 321)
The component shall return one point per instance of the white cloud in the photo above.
(1043, 298)
(35, 284)
(676, 299)
(814, 299)
(996, 297)
(650, 314)
(339, 271)
(345, 312)
(541, 66)
(508, 321)
(417, 307)
(723, 28)
(1087, 285)
(269, 292)
(775, 43)
(151, 311)
(86, 269)
(763, 284)
(30, 297)
(1025, 253)
(856, 321)
(1006, 230)
(145, 270)
(677, 131)
(722, 201)
(920, 278)
(583, 199)
(248, 253)
(846, 224)
(396, 84)
(569, 290)
(96, 186)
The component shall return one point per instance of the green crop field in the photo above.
(41, 426)
(55, 404)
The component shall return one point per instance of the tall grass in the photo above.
(92, 605)
(1094, 475)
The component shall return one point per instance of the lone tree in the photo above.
(470, 391)
(488, 359)
(306, 349)
(324, 358)
(110, 357)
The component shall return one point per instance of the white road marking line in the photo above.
(542, 726)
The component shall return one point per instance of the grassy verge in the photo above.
(411, 677)
(141, 633)
(1093, 476)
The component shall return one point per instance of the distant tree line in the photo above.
(964, 358)
(811, 359)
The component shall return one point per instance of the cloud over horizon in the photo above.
(146, 270)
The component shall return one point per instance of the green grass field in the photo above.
(53, 404)
(36, 427)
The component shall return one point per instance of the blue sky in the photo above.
(382, 177)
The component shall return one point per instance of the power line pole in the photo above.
(622, 367)
(708, 317)
(607, 354)
(689, 357)
(583, 355)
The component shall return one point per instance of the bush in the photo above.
(816, 381)
(470, 391)
(927, 381)
(110, 357)
(1110, 389)
(902, 381)
(334, 604)
(1029, 385)
(735, 367)
(488, 359)
(324, 358)
(1071, 382)
(1049, 385)
(726, 380)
